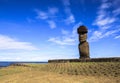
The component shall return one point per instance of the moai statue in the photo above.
(83, 45)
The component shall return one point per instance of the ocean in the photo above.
(5, 64)
(8, 63)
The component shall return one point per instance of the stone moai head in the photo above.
(82, 31)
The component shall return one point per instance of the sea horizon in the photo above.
(8, 63)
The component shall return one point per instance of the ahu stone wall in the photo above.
(113, 59)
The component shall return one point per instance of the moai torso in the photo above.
(83, 44)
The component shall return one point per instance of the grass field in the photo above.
(90, 72)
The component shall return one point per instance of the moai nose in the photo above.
(81, 35)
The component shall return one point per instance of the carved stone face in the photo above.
(82, 37)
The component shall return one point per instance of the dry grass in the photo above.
(62, 73)
(109, 69)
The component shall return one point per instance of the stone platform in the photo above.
(111, 59)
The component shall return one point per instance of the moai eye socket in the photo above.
(82, 33)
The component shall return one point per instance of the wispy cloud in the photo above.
(67, 38)
(105, 21)
(116, 12)
(41, 14)
(64, 41)
(105, 5)
(104, 18)
(70, 17)
(52, 24)
(53, 10)
(117, 37)
(7, 43)
(65, 32)
(48, 16)
(52, 13)
(99, 34)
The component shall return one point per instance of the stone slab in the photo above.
(111, 59)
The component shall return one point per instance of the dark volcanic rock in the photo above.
(83, 44)
(82, 29)
(84, 50)
(112, 59)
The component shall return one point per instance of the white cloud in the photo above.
(49, 14)
(101, 14)
(41, 14)
(52, 24)
(99, 34)
(108, 33)
(105, 5)
(116, 12)
(67, 38)
(106, 21)
(96, 36)
(7, 43)
(53, 10)
(117, 37)
(70, 17)
(65, 32)
(104, 18)
(65, 41)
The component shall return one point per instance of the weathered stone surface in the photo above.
(84, 50)
(82, 37)
(82, 29)
(83, 44)
(111, 59)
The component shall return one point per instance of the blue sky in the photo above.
(39, 30)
